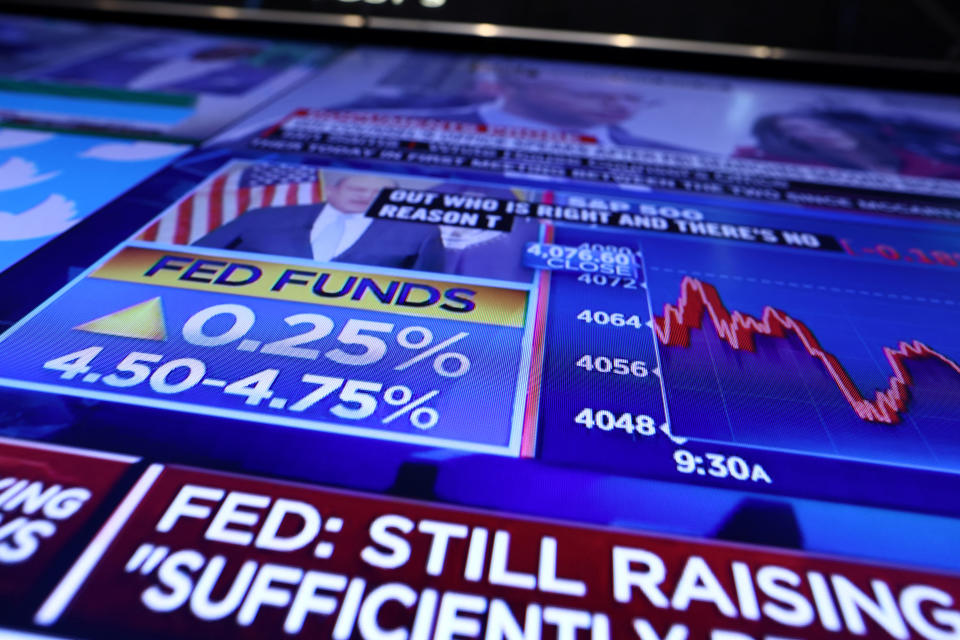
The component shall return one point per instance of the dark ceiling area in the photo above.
(928, 29)
(919, 40)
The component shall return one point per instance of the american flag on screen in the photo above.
(231, 194)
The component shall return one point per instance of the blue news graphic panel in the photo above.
(694, 327)
(493, 354)
(571, 375)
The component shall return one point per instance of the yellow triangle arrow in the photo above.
(142, 320)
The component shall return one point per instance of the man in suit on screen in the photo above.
(595, 106)
(335, 230)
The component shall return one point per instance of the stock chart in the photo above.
(809, 352)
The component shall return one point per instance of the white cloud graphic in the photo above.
(15, 138)
(132, 151)
(50, 217)
(18, 172)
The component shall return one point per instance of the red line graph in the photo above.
(738, 330)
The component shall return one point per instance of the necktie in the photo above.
(328, 238)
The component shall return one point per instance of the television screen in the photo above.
(424, 344)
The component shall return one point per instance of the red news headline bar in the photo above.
(202, 554)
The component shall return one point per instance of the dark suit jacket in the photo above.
(285, 231)
(500, 257)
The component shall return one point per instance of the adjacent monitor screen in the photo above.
(333, 341)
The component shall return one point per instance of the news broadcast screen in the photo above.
(303, 340)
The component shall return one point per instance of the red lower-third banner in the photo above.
(47, 496)
(197, 554)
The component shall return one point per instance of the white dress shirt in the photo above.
(329, 221)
